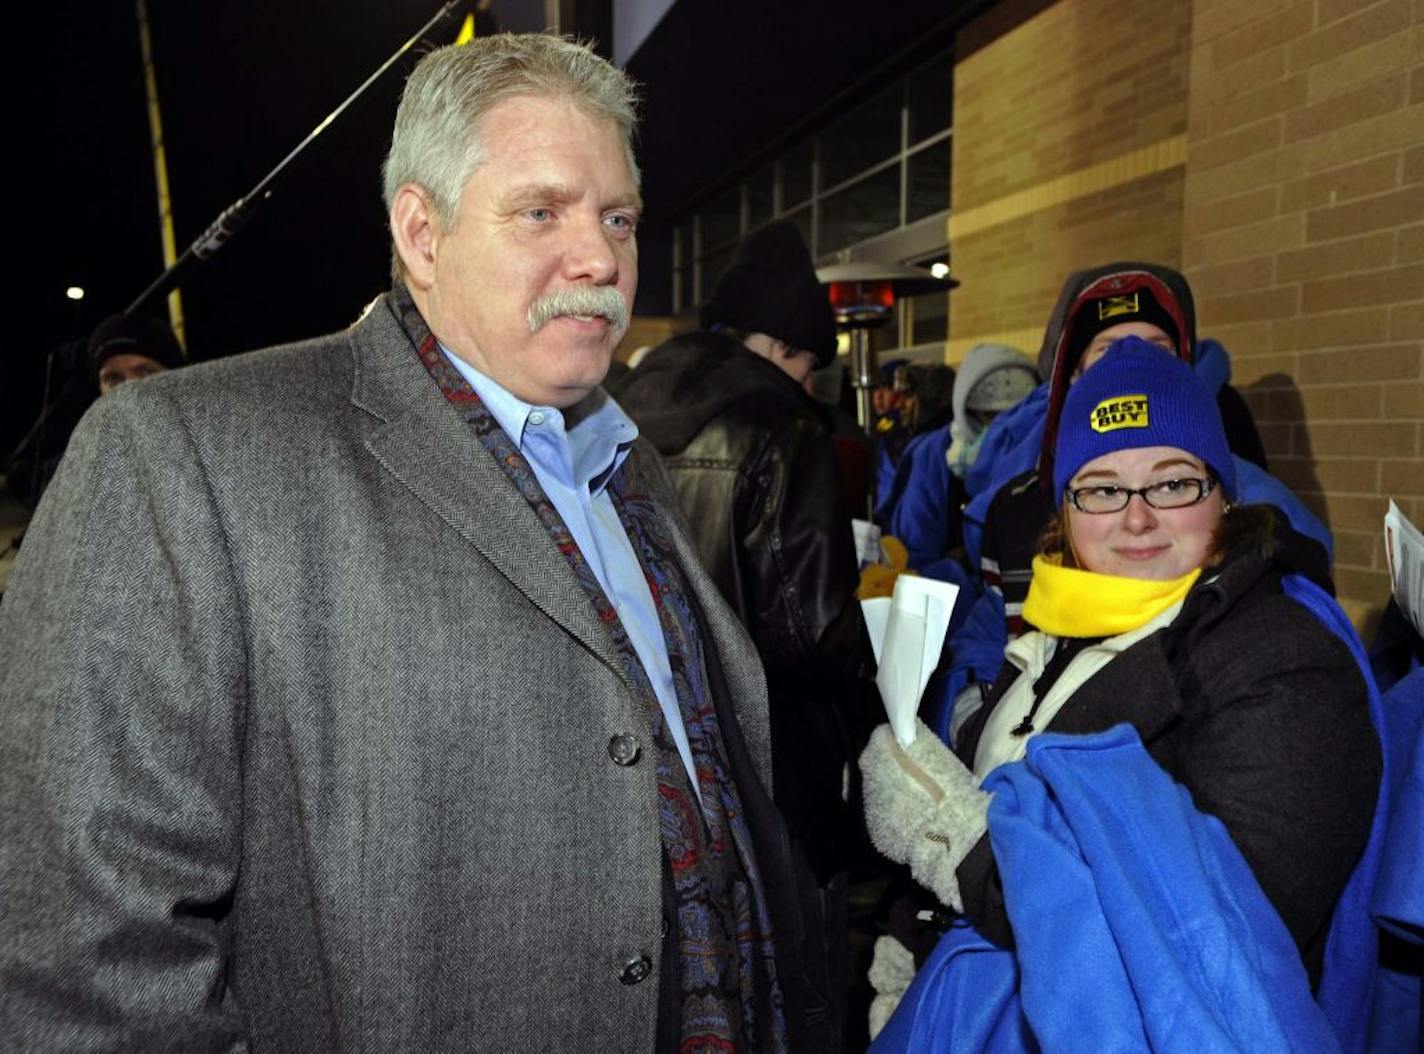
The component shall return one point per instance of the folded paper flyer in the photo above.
(907, 631)
(1404, 549)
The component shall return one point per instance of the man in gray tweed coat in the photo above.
(366, 694)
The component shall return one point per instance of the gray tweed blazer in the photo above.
(305, 733)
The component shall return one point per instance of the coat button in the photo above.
(636, 970)
(624, 749)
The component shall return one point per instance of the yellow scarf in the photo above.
(1066, 602)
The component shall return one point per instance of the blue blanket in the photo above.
(1139, 925)
(1373, 1009)
(1397, 902)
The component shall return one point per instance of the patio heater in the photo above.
(863, 296)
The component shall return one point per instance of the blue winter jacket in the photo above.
(923, 515)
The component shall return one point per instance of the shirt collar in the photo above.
(596, 432)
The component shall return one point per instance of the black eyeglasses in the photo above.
(1169, 494)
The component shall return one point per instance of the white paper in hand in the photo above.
(907, 632)
(1404, 552)
(867, 543)
(877, 617)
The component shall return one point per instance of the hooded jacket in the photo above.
(1057, 359)
(752, 461)
(930, 498)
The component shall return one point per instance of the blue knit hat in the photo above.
(1137, 395)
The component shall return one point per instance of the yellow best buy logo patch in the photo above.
(1112, 306)
(1121, 411)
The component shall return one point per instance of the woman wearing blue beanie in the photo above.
(1156, 603)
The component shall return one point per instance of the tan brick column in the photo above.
(1069, 139)
(1303, 237)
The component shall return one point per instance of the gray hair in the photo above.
(436, 142)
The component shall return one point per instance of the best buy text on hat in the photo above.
(1121, 411)
(1114, 306)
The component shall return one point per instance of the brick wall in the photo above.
(1303, 237)
(1069, 138)
(1272, 149)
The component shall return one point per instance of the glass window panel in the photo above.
(886, 337)
(686, 295)
(802, 219)
(931, 99)
(722, 219)
(713, 264)
(686, 251)
(862, 210)
(931, 318)
(927, 184)
(795, 175)
(869, 134)
(759, 198)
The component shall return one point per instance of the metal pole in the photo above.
(862, 377)
(160, 172)
(235, 215)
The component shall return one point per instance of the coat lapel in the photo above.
(423, 442)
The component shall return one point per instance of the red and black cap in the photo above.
(1096, 299)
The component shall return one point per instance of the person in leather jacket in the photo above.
(752, 461)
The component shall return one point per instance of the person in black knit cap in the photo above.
(123, 348)
(751, 457)
(129, 347)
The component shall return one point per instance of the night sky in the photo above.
(241, 84)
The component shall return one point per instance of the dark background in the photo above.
(726, 85)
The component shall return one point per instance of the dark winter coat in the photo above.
(1261, 713)
(305, 730)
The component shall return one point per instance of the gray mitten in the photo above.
(923, 808)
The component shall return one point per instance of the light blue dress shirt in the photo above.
(574, 465)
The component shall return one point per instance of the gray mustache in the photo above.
(603, 301)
